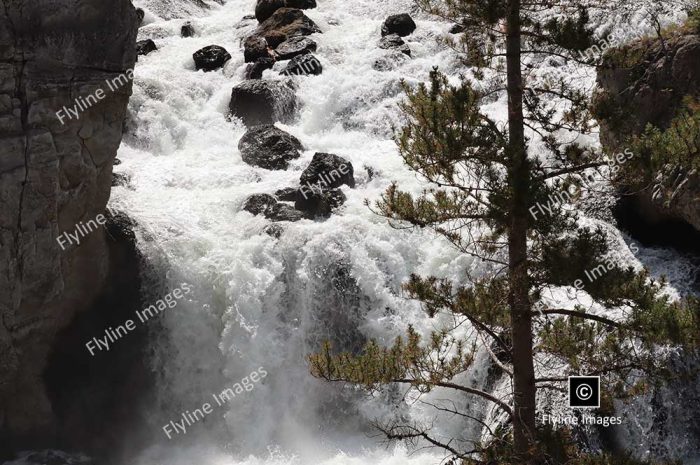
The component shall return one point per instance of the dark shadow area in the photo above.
(657, 232)
(100, 400)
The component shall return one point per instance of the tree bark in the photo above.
(521, 319)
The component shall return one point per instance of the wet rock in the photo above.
(401, 24)
(288, 194)
(255, 70)
(144, 47)
(284, 212)
(263, 102)
(458, 28)
(259, 204)
(265, 8)
(317, 202)
(269, 147)
(303, 65)
(187, 30)
(284, 24)
(210, 58)
(394, 42)
(140, 14)
(328, 171)
(391, 61)
(120, 179)
(295, 46)
(273, 230)
(54, 174)
(254, 48)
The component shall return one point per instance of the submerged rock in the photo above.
(328, 171)
(267, 205)
(295, 46)
(263, 102)
(269, 147)
(259, 204)
(303, 65)
(316, 202)
(210, 58)
(288, 194)
(284, 212)
(254, 48)
(265, 8)
(401, 24)
(390, 61)
(187, 30)
(256, 70)
(394, 42)
(144, 47)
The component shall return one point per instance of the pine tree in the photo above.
(487, 197)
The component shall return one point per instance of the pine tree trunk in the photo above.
(519, 302)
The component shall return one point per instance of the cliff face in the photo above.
(55, 172)
(644, 83)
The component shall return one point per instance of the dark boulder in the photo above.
(394, 42)
(390, 61)
(328, 171)
(317, 202)
(303, 65)
(284, 212)
(265, 8)
(273, 230)
(263, 102)
(259, 204)
(269, 147)
(284, 24)
(402, 25)
(187, 30)
(254, 48)
(210, 58)
(288, 194)
(458, 28)
(120, 179)
(295, 46)
(140, 15)
(144, 47)
(255, 70)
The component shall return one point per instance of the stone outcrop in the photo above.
(303, 65)
(401, 24)
(284, 24)
(394, 42)
(146, 46)
(328, 171)
(269, 147)
(210, 58)
(265, 8)
(295, 46)
(263, 102)
(55, 172)
(644, 83)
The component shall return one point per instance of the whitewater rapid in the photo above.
(258, 301)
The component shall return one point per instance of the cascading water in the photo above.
(257, 301)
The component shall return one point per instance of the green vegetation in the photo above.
(483, 191)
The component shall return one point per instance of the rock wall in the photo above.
(53, 175)
(644, 83)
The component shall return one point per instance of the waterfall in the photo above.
(258, 301)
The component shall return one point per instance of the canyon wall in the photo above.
(54, 173)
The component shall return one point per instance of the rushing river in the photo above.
(261, 302)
